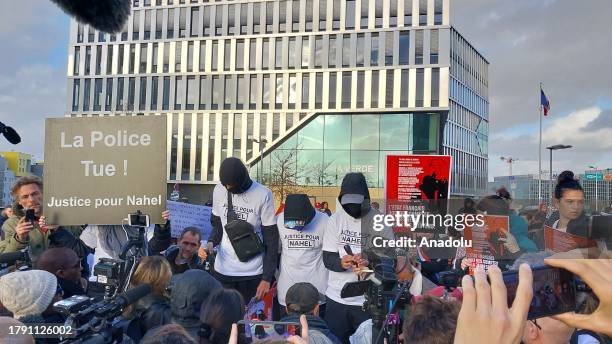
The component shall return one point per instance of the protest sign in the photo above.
(98, 170)
(417, 184)
(558, 241)
(183, 215)
(486, 244)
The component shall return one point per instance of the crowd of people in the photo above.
(304, 255)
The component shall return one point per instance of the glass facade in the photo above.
(331, 145)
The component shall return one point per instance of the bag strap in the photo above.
(231, 214)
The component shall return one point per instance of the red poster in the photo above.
(558, 241)
(415, 184)
(486, 244)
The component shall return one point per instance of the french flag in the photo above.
(544, 102)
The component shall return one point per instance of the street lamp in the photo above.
(551, 149)
(596, 177)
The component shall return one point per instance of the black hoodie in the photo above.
(355, 183)
(189, 290)
(298, 207)
(233, 171)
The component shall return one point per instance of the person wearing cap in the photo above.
(301, 230)
(30, 295)
(350, 226)
(253, 203)
(304, 299)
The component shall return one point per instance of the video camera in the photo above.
(98, 322)
(384, 294)
(15, 261)
(115, 274)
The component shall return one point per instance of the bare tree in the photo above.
(284, 174)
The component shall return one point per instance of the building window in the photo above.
(408, 12)
(265, 54)
(337, 129)
(318, 90)
(204, 93)
(333, 85)
(322, 14)
(404, 47)
(305, 52)
(120, 91)
(434, 46)
(389, 88)
(192, 93)
(375, 50)
(346, 89)
(305, 90)
(214, 55)
(240, 54)
(346, 50)
(418, 52)
(435, 87)
(318, 51)
(242, 92)
(99, 59)
(77, 60)
(389, 48)
(142, 103)
(437, 12)
(333, 43)
(87, 60)
(97, 94)
(278, 94)
(266, 92)
(422, 12)
(131, 93)
(350, 14)
(217, 92)
(75, 94)
(364, 133)
(86, 92)
(109, 95)
(420, 79)
(254, 91)
(154, 91)
(278, 46)
(179, 93)
(374, 89)
(227, 53)
(360, 49)
(230, 91)
(166, 93)
(294, 54)
(360, 88)
(404, 88)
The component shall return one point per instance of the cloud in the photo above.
(588, 130)
(34, 36)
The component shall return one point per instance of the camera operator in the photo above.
(108, 240)
(350, 225)
(29, 296)
(66, 266)
(19, 231)
(252, 215)
(152, 310)
(301, 230)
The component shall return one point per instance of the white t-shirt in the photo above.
(302, 255)
(256, 206)
(90, 237)
(342, 229)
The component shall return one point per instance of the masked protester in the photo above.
(301, 230)
(350, 225)
(244, 229)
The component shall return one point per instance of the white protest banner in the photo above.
(100, 169)
(183, 215)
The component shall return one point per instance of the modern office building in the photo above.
(7, 178)
(321, 87)
(525, 188)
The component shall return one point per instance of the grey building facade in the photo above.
(342, 83)
(7, 178)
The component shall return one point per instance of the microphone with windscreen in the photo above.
(104, 15)
(10, 134)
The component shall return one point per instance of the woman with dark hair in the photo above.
(222, 308)
(569, 201)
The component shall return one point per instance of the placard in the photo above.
(183, 215)
(100, 169)
(486, 244)
(558, 241)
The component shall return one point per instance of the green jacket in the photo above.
(39, 241)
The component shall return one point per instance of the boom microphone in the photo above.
(11, 258)
(133, 295)
(10, 134)
(104, 15)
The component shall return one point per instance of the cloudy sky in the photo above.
(565, 44)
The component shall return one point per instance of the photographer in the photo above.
(66, 266)
(301, 230)
(108, 240)
(154, 309)
(19, 231)
(350, 225)
(243, 262)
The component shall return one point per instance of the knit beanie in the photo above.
(26, 293)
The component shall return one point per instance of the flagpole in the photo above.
(540, 155)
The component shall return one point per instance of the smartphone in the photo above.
(253, 331)
(138, 220)
(30, 215)
(554, 291)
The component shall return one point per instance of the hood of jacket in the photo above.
(189, 290)
(355, 183)
(298, 207)
(234, 172)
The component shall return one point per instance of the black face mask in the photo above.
(353, 209)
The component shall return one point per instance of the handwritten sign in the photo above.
(183, 215)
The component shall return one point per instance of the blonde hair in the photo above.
(153, 270)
